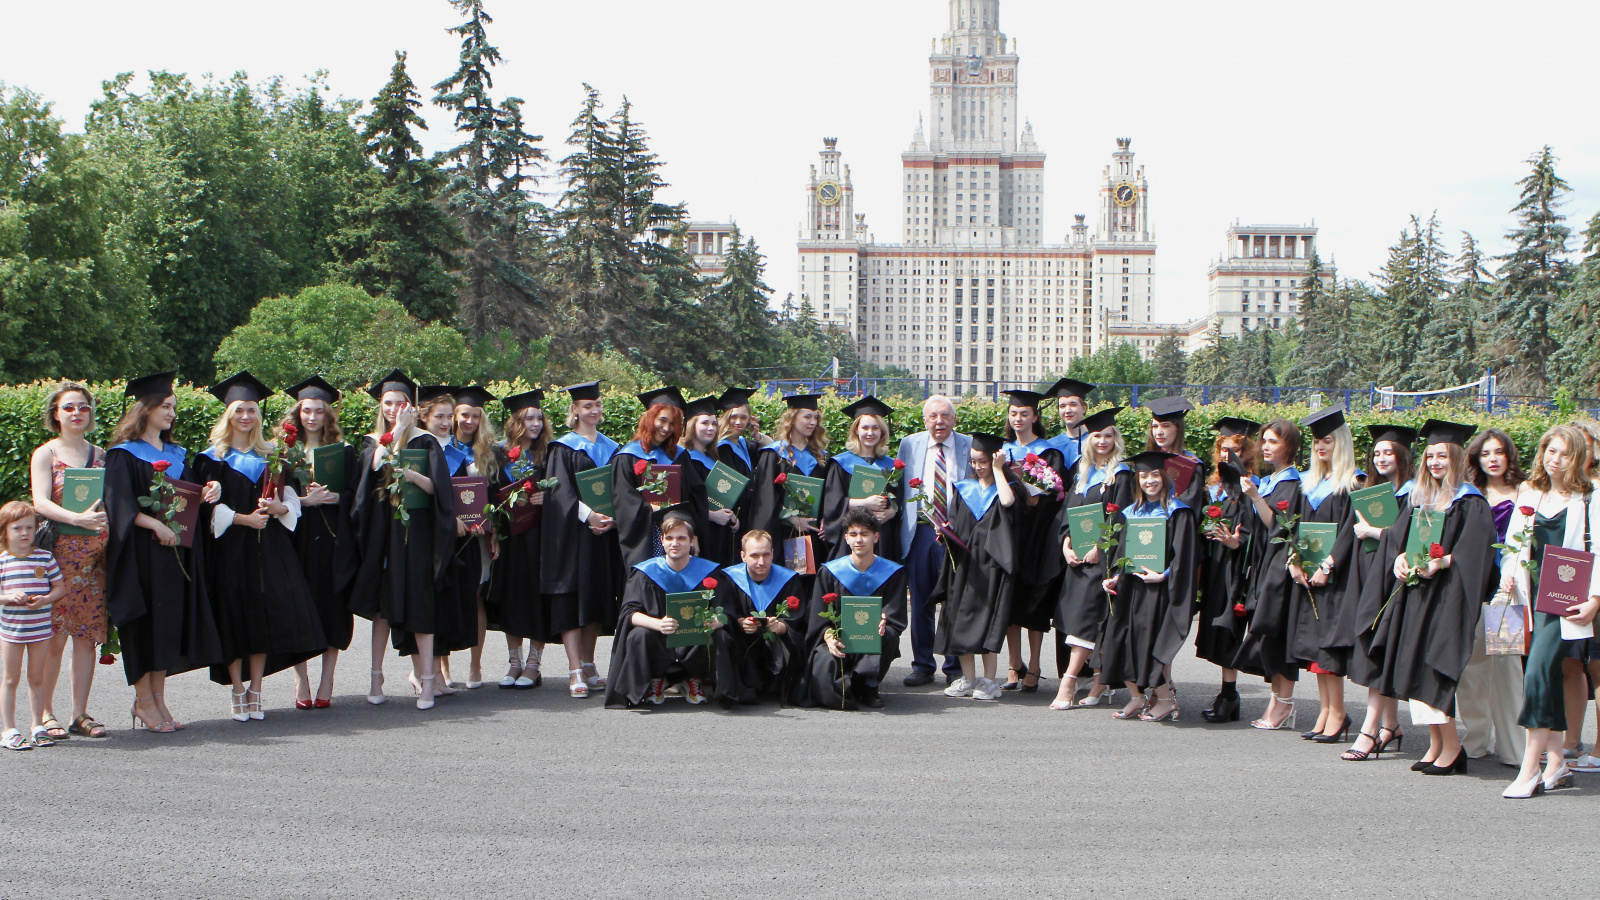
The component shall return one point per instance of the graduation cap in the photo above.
(157, 385)
(1229, 469)
(733, 398)
(1070, 387)
(1435, 431)
(518, 402)
(1169, 409)
(1324, 421)
(1233, 426)
(242, 386)
(869, 406)
(705, 406)
(589, 390)
(675, 511)
(314, 388)
(430, 391)
(1029, 399)
(802, 401)
(1150, 461)
(472, 395)
(988, 443)
(1101, 420)
(666, 396)
(1399, 434)
(396, 380)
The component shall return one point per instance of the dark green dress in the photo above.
(1542, 698)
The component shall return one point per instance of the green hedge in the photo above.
(22, 429)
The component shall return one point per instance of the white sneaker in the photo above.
(961, 687)
(987, 689)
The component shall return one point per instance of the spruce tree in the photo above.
(737, 306)
(1532, 278)
(1169, 362)
(1450, 341)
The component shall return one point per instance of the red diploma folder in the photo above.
(524, 515)
(1563, 580)
(1180, 471)
(674, 485)
(471, 495)
(188, 504)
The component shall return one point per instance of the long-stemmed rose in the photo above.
(165, 503)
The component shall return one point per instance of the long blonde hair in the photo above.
(852, 441)
(221, 438)
(482, 441)
(818, 444)
(1431, 493)
(1575, 475)
(1341, 465)
(1086, 464)
(380, 427)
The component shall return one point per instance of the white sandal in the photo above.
(421, 703)
(377, 699)
(579, 690)
(595, 681)
(254, 706)
(241, 708)
(12, 739)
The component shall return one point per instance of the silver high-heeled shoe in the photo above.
(1288, 721)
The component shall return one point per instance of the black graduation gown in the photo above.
(1426, 633)
(1322, 620)
(581, 572)
(1224, 577)
(836, 502)
(404, 568)
(975, 593)
(728, 456)
(456, 614)
(1150, 622)
(1038, 583)
(155, 595)
(1081, 603)
(1265, 649)
(832, 683)
(1376, 581)
(516, 603)
(766, 502)
(259, 598)
(718, 543)
(750, 666)
(323, 541)
(636, 529)
(639, 655)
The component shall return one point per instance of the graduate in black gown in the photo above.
(1102, 478)
(322, 537)
(455, 604)
(1426, 632)
(404, 564)
(800, 447)
(262, 605)
(656, 442)
(734, 447)
(1264, 649)
(1038, 584)
(1072, 406)
(471, 451)
(1390, 464)
(720, 543)
(1323, 616)
(517, 604)
(867, 442)
(1233, 537)
(833, 678)
(642, 665)
(1150, 610)
(580, 561)
(155, 589)
(1168, 433)
(766, 632)
(977, 585)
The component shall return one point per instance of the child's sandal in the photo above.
(41, 737)
(12, 740)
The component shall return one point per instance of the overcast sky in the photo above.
(1352, 114)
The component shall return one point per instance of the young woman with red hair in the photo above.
(655, 443)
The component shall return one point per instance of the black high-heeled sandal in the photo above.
(1354, 755)
(1012, 684)
(1031, 688)
(1395, 738)
(1337, 738)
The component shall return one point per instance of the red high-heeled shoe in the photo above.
(320, 703)
(302, 704)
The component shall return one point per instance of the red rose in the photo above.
(527, 485)
(640, 466)
(792, 603)
(915, 483)
(828, 598)
(1527, 511)
(386, 438)
(899, 464)
(1436, 551)
(514, 454)
(1111, 508)
(782, 477)
(1238, 610)
(107, 659)
(1031, 458)
(161, 465)
(1283, 506)
(709, 584)
(1213, 512)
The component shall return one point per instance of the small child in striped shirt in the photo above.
(30, 584)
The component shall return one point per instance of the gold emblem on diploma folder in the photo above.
(1146, 536)
(861, 617)
(468, 496)
(686, 612)
(1565, 573)
(1374, 509)
(1085, 524)
(81, 492)
(724, 485)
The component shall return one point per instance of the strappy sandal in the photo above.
(1354, 755)
(580, 690)
(84, 726)
(56, 732)
(41, 737)
(1013, 683)
(13, 740)
(596, 682)
(1027, 688)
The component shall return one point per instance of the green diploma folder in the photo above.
(868, 481)
(1378, 506)
(858, 624)
(724, 487)
(1146, 544)
(416, 461)
(1319, 538)
(327, 467)
(1424, 531)
(683, 608)
(803, 494)
(1083, 526)
(594, 489)
(80, 489)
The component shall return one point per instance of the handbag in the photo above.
(1507, 627)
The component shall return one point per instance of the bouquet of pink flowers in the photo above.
(1039, 477)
